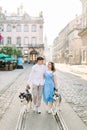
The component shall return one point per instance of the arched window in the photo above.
(26, 40)
(34, 28)
(26, 28)
(33, 41)
(1, 27)
(18, 28)
(18, 41)
(9, 28)
(9, 40)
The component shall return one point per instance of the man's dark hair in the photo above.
(40, 58)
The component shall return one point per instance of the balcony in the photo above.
(28, 45)
(35, 45)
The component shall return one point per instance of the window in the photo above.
(18, 28)
(26, 28)
(26, 40)
(18, 40)
(33, 28)
(18, 18)
(33, 40)
(9, 28)
(8, 40)
(84, 55)
(1, 28)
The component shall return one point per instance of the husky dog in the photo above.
(26, 98)
(56, 104)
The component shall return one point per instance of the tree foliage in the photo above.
(11, 51)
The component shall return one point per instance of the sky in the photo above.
(57, 13)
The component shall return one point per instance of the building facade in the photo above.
(83, 32)
(67, 46)
(22, 31)
(47, 50)
(55, 52)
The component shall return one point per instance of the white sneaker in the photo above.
(49, 111)
(39, 110)
(35, 109)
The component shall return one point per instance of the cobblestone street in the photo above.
(72, 87)
(9, 102)
(74, 90)
(10, 105)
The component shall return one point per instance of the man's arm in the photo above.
(30, 78)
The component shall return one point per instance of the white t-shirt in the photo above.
(36, 76)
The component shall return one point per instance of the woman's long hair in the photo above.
(52, 66)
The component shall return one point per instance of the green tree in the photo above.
(11, 51)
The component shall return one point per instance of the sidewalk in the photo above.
(79, 69)
(33, 121)
(69, 118)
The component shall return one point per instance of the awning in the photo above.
(2, 55)
(10, 59)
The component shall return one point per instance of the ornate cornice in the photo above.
(25, 18)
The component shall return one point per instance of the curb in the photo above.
(69, 119)
(60, 121)
(21, 119)
(22, 115)
(66, 119)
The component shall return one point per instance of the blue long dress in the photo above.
(48, 89)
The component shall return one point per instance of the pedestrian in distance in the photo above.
(36, 78)
(20, 63)
(50, 84)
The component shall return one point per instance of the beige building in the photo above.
(47, 50)
(22, 31)
(54, 50)
(83, 33)
(68, 44)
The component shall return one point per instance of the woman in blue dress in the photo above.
(49, 86)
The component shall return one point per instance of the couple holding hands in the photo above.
(44, 82)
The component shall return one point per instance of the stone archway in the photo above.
(33, 55)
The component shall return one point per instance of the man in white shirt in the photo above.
(36, 78)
